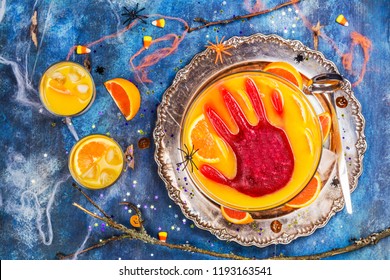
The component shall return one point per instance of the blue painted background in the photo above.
(37, 218)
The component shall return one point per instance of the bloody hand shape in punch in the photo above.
(265, 161)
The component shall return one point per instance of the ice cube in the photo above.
(74, 77)
(110, 155)
(59, 77)
(82, 88)
(113, 156)
(76, 74)
(107, 177)
(91, 173)
(79, 72)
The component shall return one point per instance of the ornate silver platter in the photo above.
(274, 226)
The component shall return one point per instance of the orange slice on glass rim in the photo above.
(126, 96)
(235, 216)
(285, 70)
(308, 195)
(200, 137)
(325, 122)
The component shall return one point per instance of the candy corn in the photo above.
(159, 22)
(342, 20)
(147, 41)
(82, 50)
(162, 235)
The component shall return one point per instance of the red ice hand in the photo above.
(265, 161)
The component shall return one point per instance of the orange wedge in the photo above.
(285, 70)
(126, 96)
(203, 140)
(308, 194)
(236, 217)
(325, 122)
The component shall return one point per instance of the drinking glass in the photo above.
(66, 90)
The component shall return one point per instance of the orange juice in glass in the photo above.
(67, 89)
(96, 161)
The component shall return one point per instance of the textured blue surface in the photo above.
(37, 218)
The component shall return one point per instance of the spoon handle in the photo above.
(341, 163)
(326, 84)
(69, 124)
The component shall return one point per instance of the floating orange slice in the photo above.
(203, 140)
(126, 96)
(59, 87)
(325, 122)
(96, 161)
(88, 154)
(308, 194)
(236, 217)
(285, 70)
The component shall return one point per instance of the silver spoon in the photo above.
(326, 84)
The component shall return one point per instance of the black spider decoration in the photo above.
(335, 182)
(133, 14)
(299, 58)
(188, 157)
(100, 70)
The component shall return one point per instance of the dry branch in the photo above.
(235, 18)
(34, 28)
(142, 235)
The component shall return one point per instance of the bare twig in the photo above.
(87, 63)
(372, 239)
(316, 29)
(110, 222)
(142, 235)
(96, 246)
(135, 208)
(34, 28)
(248, 16)
(88, 212)
(201, 20)
(183, 247)
(90, 200)
(138, 213)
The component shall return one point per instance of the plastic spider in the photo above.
(100, 70)
(188, 157)
(133, 14)
(335, 182)
(299, 58)
(219, 48)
